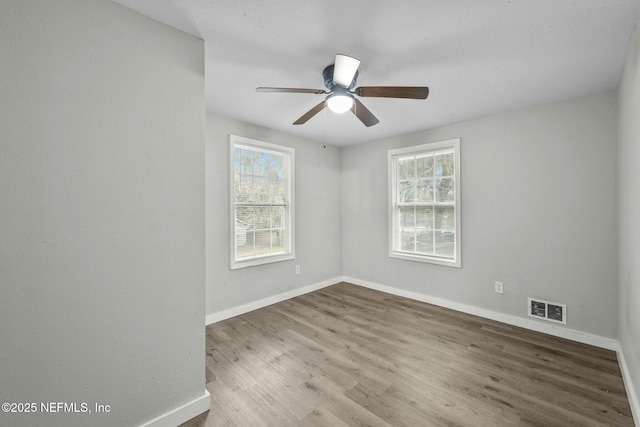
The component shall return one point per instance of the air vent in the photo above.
(551, 311)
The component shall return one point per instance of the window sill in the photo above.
(269, 259)
(426, 259)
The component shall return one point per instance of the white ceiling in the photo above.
(478, 57)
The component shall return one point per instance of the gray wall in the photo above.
(538, 213)
(317, 215)
(629, 215)
(101, 212)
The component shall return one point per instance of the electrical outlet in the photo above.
(297, 269)
(499, 288)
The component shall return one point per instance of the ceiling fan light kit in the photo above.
(339, 79)
(339, 102)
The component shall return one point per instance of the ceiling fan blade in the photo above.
(290, 90)
(363, 114)
(345, 69)
(412, 92)
(312, 112)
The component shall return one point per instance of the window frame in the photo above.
(393, 156)
(289, 203)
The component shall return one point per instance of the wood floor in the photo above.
(350, 356)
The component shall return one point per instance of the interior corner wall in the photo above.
(629, 219)
(102, 223)
(538, 200)
(317, 217)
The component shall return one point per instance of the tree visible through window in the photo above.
(261, 196)
(425, 224)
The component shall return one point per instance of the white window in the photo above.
(424, 183)
(261, 202)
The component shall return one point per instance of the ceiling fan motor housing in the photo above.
(327, 74)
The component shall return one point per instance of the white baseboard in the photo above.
(628, 385)
(254, 305)
(562, 332)
(182, 413)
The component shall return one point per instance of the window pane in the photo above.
(406, 191)
(277, 241)
(424, 191)
(236, 184)
(242, 243)
(424, 217)
(237, 160)
(263, 242)
(276, 190)
(245, 250)
(407, 241)
(245, 216)
(445, 164)
(445, 218)
(406, 168)
(276, 167)
(424, 166)
(260, 189)
(263, 217)
(277, 216)
(407, 218)
(246, 166)
(445, 243)
(260, 163)
(244, 188)
(445, 190)
(424, 244)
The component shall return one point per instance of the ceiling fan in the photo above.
(339, 79)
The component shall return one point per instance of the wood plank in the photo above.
(350, 356)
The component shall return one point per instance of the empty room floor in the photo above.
(351, 356)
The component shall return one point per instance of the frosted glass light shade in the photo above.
(344, 70)
(339, 103)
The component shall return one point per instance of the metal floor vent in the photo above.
(551, 311)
